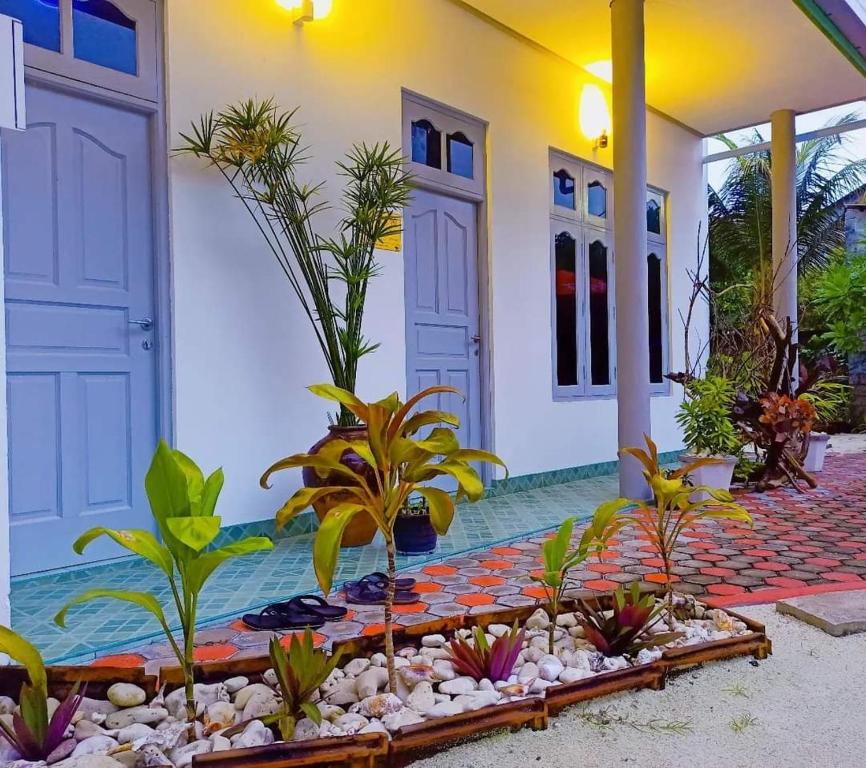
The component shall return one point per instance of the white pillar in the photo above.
(783, 160)
(629, 165)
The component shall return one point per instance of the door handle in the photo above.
(146, 324)
(476, 338)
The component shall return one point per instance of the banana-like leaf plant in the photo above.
(183, 503)
(33, 734)
(559, 557)
(673, 511)
(397, 464)
(300, 672)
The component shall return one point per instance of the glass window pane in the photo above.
(596, 199)
(426, 144)
(653, 216)
(563, 189)
(565, 248)
(654, 302)
(460, 155)
(41, 20)
(104, 35)
(598, 315)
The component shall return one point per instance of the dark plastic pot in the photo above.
(414, 534)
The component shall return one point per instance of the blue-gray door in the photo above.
(442, 321)
(81, 383)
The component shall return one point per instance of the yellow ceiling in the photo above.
(713, 65)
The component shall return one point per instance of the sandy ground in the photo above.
(805, 706)
(847, 443)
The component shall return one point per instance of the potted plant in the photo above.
(401, 465)
(705, 418)
(258, 150)
(414, 534)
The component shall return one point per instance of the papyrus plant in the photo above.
(33, 734)
(559, 557)
(183, 503)
(397, 464)
(259, 151)
(672, 511)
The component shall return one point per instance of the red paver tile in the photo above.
(505, 551)
(600, 585)
(120, 661)
(487, 581)
(215, 652)
(376, 629)
(418, 607)
(318, 638)
(718, 571)
(496, 565)
(603, 568)
(424, 587)
(725, 589)
(539, 593)
(825, 561)
(659, 578)
(759, 552)
(784, 581)
(841, 576)
(439, 570)
(771, 566)
(475, 598)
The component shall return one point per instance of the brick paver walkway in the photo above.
(800, 543)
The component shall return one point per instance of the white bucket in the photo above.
(816, 451)
(711, 475)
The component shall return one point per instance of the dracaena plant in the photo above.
(480, 659)
(33, 734)
(396, 466)
(674, 508)
(624, 630)
(559, 557)
(183, 503)
(300, 671)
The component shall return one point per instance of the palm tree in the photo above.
(740, 210)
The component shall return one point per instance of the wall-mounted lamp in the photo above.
(307, 10)
(594, 116)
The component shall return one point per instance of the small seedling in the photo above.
(737, 689)
(604, 719)
(741, 723)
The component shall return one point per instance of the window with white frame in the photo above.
(582, 266)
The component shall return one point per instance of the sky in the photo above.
(854, 143)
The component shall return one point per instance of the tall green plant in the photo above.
(33, 734)
(397, 465)
(840, 302)
(559, 557)
(183, 503)
(705, 417)
(258, 149)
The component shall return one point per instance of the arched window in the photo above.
(655, 307)
(596, 199)
(565, 288)
(653, 217)
(104, 35)
(41, 20)
(426, 144)
(460, 155)
(599, 318)
(563, 189)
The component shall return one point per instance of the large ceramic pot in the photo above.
(362, 529)
(711, 475)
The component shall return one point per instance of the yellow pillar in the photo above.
(630, 239)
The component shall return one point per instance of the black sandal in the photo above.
(281, 616)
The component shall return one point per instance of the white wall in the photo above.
(243, 350)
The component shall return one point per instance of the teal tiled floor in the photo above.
(108, 626)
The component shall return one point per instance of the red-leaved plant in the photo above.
(482, 660)
(33, 734)
(624, 630)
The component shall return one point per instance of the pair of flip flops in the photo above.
(299, 612)
(372, 589)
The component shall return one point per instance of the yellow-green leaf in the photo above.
(142, 543)
(305, 497)
(326, 547)
(194, 532)
(441, 508)
(141, 599)
(330, 392)
(307, 460)
(22, 651)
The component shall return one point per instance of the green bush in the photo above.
(705, 417)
